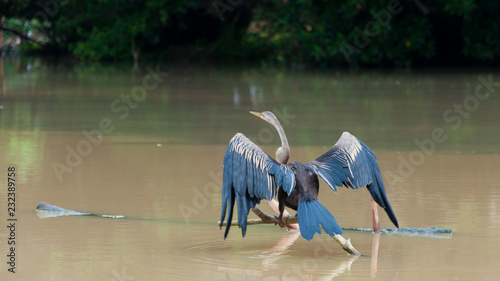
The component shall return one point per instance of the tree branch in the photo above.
(274, 205)
(19, 33)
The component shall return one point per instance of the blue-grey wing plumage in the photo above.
(351, 163)
(249, 176)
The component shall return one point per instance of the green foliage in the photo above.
(481, 29)
(291, 32)
(326, 33)
(111, 30)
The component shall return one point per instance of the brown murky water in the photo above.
(158, 162)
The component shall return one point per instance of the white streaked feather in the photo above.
(351, 147)
(253, 154)
(346, 152)
(321, 165)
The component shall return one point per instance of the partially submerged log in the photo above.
(46, 210)
(408, 231)
(346, 243)
(434, 232)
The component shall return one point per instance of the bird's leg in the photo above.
(281, 208)
(376, 225)
(274, 205)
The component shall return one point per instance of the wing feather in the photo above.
(348, 163)
(351, 163)
(249, 176)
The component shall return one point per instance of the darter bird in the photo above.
(250, 175)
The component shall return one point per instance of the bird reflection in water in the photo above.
(374, 264)
(270, 266)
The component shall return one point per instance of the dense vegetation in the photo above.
(289, 32)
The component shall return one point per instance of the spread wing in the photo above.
(351, 163)
(249, 176)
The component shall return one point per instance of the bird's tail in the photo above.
(311, 214)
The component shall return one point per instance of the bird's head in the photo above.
(283, 152)
(267, 116)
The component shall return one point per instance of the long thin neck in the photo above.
(283, 153)
(284, 141)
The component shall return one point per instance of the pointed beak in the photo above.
(258, 114)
